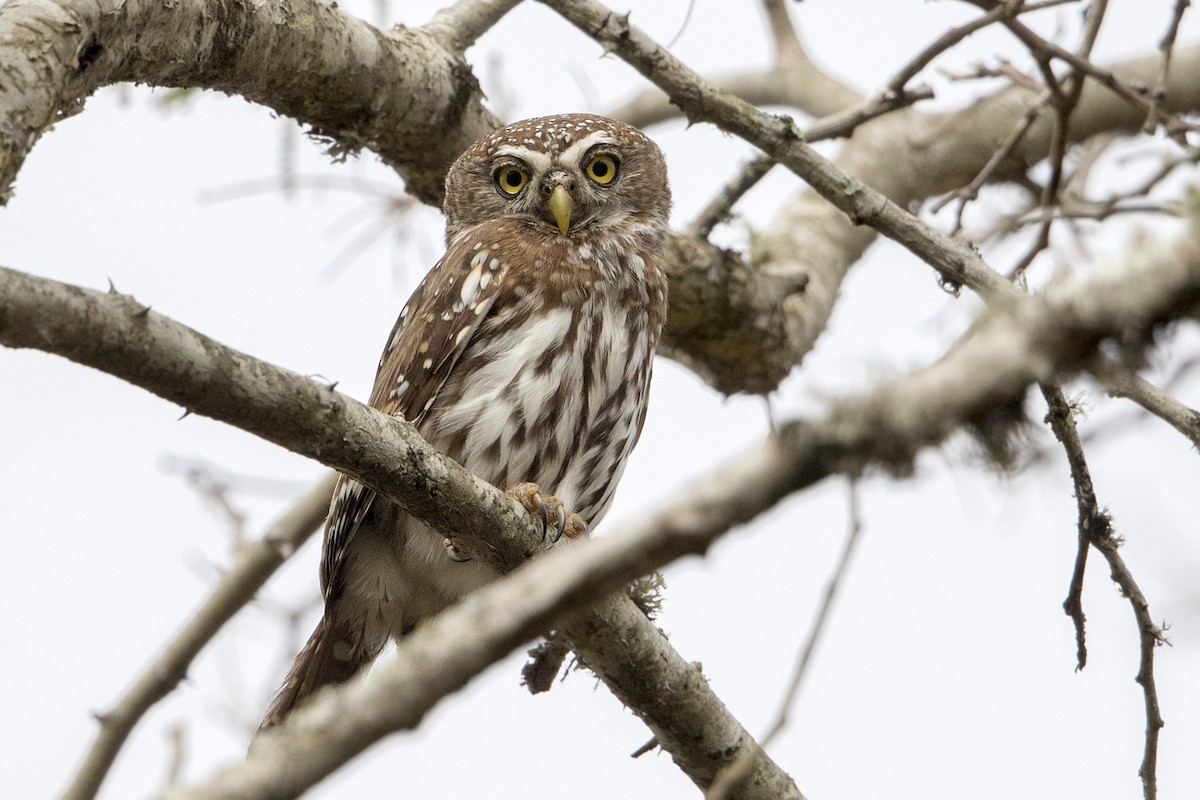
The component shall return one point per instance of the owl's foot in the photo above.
(550, 510)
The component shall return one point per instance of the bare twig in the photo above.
(720, 207)
(254, 564)
(1095, 529)
(998, 157)
(955, 35)
(842, 123)
(1122, 383)
(1047, 50)
(1150, 636)
(1166, 47)
(1065, 97)
(1093, 524)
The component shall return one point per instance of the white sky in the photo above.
(948, 667)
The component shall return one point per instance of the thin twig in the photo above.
(1120, 383)
(1095, 529)
(1065, 97)
(999, 156)
(1166, 47)
(1105, 77)
(956, 35)
(1093, 523)
(721, 206)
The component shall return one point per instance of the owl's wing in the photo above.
(433, 330)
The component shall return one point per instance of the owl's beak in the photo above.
(560, 206)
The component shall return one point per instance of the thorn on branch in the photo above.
(646, 748)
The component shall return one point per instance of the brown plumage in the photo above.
(525, 355)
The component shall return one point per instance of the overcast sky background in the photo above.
(947, 669)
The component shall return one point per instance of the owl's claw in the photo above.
(453, 552)
(575, 526)
(549, 508)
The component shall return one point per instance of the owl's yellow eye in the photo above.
(602, 169)
(511, 180)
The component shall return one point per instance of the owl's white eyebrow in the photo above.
(538, 159)
(572, 154)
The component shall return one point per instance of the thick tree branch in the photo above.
(400, 93)
(1035, 339)
(252, 567)
(115, 334)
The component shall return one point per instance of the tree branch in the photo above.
(400, 93)
(1095, 530)
(458, 26)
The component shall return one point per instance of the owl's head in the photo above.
(567, 174)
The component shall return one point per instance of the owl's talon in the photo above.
(562, 525)
(547, 507)
(453, 553)
(545, 515)
(575, 527)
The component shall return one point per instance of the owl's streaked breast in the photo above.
(552, 388)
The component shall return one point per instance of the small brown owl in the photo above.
(525, 355)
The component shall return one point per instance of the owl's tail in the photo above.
(318, 665)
